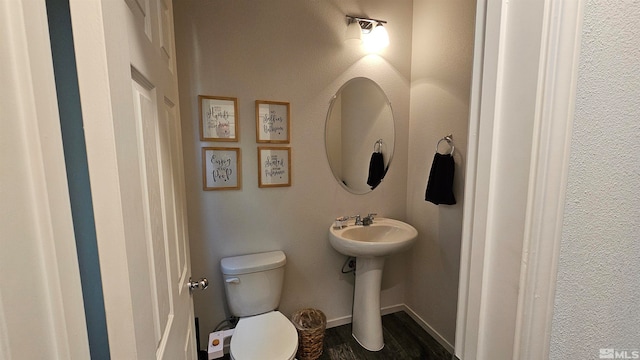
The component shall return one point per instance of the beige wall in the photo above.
(293, 51)
(440, 92)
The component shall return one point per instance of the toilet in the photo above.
(253, 284)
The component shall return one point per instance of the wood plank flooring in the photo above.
(404, 339)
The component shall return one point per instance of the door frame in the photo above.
(560, 26)
(46, 248)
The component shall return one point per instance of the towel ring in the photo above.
(377, 147)
(449, 140)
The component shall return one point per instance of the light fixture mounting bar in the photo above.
(358, 18)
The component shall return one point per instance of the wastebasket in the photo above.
(310, 324)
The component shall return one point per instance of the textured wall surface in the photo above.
(597, 298)
(440, 90)
(287, 50)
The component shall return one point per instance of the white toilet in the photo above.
(253, 284)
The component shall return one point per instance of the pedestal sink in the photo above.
(370, 245)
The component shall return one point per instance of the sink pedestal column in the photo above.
(366, 325)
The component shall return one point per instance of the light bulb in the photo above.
(380, 36)
(377, 39)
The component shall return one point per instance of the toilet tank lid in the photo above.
(246, 264)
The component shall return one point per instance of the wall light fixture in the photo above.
(370, 32)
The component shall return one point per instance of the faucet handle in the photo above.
(369, 219)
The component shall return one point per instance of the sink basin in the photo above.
(383, 237)
(370, 245)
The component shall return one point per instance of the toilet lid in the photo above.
(269, 336)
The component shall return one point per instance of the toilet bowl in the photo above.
(253, 285)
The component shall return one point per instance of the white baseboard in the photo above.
(339, 321)
(393, 309)
(431, 331)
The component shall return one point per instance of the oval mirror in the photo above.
(359, 135)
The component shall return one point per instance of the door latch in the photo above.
(200, 284)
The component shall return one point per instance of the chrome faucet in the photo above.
(366, 221)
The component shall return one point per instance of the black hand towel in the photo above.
(440, 185)
(376, 170)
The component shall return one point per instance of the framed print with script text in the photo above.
(218, 118)
(273, 122)
(221, 168)
(274, 167)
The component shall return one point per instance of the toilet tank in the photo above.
(253, 283)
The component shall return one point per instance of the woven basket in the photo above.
(310, 324)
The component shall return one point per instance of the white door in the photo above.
(129, 95)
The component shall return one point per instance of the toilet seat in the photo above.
(269, 336)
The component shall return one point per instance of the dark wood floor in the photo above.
(403, 339)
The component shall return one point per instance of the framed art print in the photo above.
(221, 168)
(273, 120)
(274, 167)
(218, 118)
